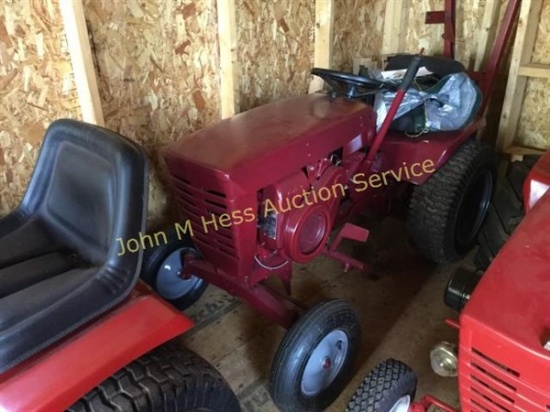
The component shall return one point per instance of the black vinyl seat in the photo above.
(59, 263)
(439, 66)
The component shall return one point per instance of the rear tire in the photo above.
(315, 360)
(505, 213)
(448, 210)
(390, 387)
(167, 379)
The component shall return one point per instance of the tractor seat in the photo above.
(59, 263)
(439, 66)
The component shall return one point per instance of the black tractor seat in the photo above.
(439, 66)
(59, 263)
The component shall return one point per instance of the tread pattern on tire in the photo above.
(386, 383)
(334, 313)
(169, 378)
(433, 203)
(504, 214)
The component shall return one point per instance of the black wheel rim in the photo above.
(473, 208)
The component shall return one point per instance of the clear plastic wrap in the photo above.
(448, 105)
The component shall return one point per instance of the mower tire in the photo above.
(162, 265)
(505, 212)
(315, 360)
(503, 216)
(391, 386)
(167, 379)
(448, 210)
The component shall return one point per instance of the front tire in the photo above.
(315, 360)
(161, 270)
(390, 387)
(166, 379)
(448, 210)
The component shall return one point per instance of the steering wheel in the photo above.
(351, 85)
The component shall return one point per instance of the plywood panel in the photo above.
(358, 30)
(36, 87)
(158, 68)
(275, 49)
(420, 35)
(534, 122)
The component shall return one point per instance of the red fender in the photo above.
(55, 378)
(399, 151)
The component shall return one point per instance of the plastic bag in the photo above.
(448, 105)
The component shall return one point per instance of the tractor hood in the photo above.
(265, 144)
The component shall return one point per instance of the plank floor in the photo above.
(400, 305)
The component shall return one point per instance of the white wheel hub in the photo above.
(402, 405)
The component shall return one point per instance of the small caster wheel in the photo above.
(390, 387)
(161, 270)
(316, 358)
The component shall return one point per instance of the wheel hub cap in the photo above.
(325, 363)
(402, 405)
(170, 284)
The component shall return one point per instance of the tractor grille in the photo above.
(201, 206)
(488, 385)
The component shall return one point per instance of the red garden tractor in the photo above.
(76, 330)
(504, 327)
(266, 188)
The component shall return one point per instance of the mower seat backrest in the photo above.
(59, 262)
(440, 66)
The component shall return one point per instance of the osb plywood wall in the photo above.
(469, 15)
(534, 123)
(36, 87)
(158, 73)
(358, 29)
(275, 49)
(157, 63)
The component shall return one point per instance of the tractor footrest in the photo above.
(348, 231)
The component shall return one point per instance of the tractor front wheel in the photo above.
(162, 268)
(315, 360)
(167, 379)
(448, 210)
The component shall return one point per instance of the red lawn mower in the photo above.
(267, 187)
(504, 327)
(256, 193)
(76, 330)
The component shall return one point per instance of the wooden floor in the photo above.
(400, 306)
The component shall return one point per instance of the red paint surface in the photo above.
(56, 378)
(506, 323)
(537, 183)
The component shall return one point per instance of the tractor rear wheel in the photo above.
(168, 378)
(448, 210)
(162, 266)
(390, 387)
(315, 360)
(505, 212)
(504, 215)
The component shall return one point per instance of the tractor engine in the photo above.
(297, 214)
(264, 187)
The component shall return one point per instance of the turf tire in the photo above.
(168, 378)
(389, 382)
(435, 206)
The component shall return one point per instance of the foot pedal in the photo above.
(353, 232)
